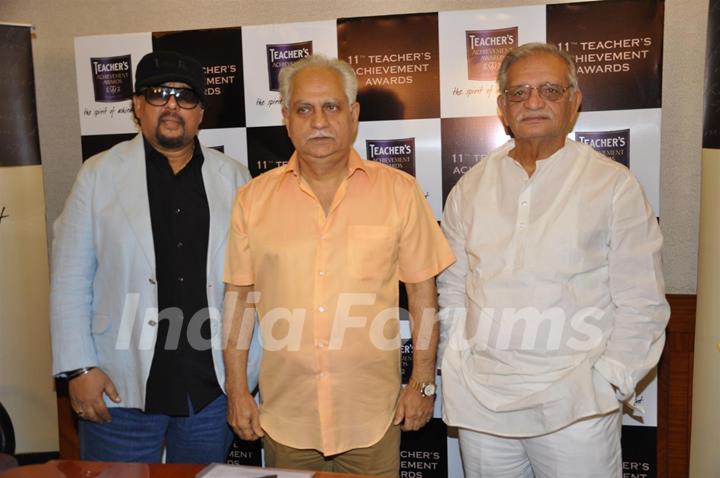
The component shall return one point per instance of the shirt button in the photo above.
(524, 203)
(152, 323)
(151, 280)
(321, 308)
(178, 211)
(179, 244)
(181, 279)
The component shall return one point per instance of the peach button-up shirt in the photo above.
(327, 297)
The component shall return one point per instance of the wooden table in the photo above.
(96, 469)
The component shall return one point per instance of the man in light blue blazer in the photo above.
(137, 281)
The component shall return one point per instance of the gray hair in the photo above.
(529, 49)
(344, 71)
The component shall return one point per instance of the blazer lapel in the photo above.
(219, 190)
(131, 191)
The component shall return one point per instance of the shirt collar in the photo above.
(355, 163)
(540, 163)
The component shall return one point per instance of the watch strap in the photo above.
(420, 386)
(71, 374)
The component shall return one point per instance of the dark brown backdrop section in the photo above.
(19, 141)
(464, 142)
(396, 61)
(617, 46)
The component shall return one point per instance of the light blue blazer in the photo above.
(103, 299)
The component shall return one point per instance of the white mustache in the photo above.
(320, 135)
(535, 115)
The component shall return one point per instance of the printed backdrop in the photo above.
(428, 106)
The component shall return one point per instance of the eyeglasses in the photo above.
(186, 98)
(548, 91)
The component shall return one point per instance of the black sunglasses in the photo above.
(186, 98)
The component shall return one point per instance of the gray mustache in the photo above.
(320, 134)
(535, 115)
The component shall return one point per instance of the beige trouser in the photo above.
(380, 459)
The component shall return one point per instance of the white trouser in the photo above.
(589, 448)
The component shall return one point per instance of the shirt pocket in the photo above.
(371, 251)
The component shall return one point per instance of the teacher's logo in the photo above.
(397, 153)
(613, 144)
(280, 55)
(112, 78)
(486, 50)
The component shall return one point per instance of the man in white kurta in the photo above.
(555, 308)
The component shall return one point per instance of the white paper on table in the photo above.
(219, 470)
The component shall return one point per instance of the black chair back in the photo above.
(7, 433)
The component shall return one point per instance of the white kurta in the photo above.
(555, 308)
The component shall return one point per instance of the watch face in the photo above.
(429, 390)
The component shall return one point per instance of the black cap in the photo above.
(159, 67)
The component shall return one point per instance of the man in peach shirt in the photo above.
(317, 247)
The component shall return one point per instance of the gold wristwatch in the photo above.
(426, 389)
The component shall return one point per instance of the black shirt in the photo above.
(182, 365)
